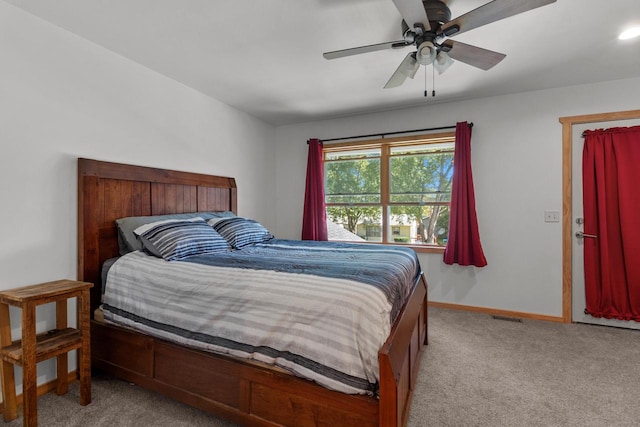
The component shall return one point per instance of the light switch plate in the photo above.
(551, 216)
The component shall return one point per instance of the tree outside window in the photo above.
(392, 191)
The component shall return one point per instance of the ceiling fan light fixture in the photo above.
(442, 62)
(426, 53)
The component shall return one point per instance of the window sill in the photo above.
(428, 249)
(418, 248)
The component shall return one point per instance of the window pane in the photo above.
(414, 211)
(421, 176)
(427, 225)
(362, 221)
(424, 148)
(352, 181)
(352, 154)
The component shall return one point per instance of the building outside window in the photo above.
(395, 190)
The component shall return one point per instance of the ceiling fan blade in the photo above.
(407, 68)
(412, 11)
(364, 49)
(490, 12)
(472, 55)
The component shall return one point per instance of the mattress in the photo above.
(319, 310)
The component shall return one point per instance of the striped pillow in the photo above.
(128, 240)
(240, 232)
(178, 239)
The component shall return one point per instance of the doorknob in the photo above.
(581, 235)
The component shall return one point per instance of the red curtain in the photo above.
(611, 199)
(463, 246)
(314, 219)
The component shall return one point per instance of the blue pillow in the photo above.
(128, 241)
(176, 239)
(240, 232)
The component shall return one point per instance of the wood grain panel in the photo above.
(109, 170)
(268, 403)
(423, 325)
(213, 199)
(158, 199)
(190, 198)
(141, 199)
(113, 203)
(193, 371)
(122, 199)
(90, 202)
(173, 198)
(414, 355)
(404, 392)
(132, 352)
(398, 343)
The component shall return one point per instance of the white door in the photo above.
(577, 289)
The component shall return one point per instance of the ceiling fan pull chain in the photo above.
(426, 94)
(433, 84)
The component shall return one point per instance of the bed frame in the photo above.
(242, 391)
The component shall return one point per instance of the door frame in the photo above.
(567, 214)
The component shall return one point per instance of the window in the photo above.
(391, 190)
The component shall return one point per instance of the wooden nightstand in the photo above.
(36, 348)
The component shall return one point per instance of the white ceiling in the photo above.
(265, 57)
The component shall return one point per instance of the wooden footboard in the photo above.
(245, 393)
(399, 359)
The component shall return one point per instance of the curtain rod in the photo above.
(382, 135)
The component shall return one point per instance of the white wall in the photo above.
(62, 97)
(517, 167)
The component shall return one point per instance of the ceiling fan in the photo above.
(427, 24)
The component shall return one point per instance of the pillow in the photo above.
(176, 239)
(128, 241)
(240, 232)
(146, 227)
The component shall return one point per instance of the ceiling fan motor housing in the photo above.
(437, 11)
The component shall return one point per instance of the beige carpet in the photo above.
(477, 371)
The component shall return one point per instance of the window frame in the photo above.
(385, 145)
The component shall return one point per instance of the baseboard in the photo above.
(43, 389)
(498, 312)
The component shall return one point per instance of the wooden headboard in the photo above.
(108, 191)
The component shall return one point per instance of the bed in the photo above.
(245, 392)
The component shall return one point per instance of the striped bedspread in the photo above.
(320, 310)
